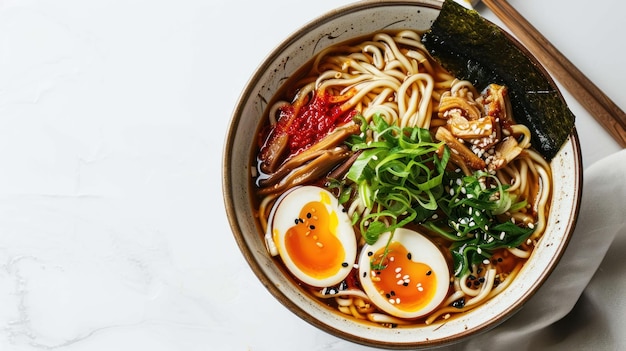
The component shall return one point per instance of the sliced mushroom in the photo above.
(471, 129)
(456, 105)
(458, 148)
(310, 171)
(330, 141)
(506, 151)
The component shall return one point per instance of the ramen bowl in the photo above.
(355, 21)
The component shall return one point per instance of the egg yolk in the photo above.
(312, 241)
(406, 284)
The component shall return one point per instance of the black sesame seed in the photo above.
(393, 293)
(388, 296)
(409, 255)
(308, 215)
(312, 227)
(301, 220)
(482, 280)
(429, 272)
(460, 303)
(370, 253)
(476, 283)
(296, 221)
(345, 264)
(364, 274)
(405, 284)
(500, 259)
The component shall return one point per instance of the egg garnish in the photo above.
(407, 277)
(314, 236)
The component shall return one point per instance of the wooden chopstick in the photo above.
(598, 104)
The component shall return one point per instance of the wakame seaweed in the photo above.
(476, 50)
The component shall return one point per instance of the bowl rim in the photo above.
(231, 211)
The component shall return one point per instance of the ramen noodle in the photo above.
(392, 191)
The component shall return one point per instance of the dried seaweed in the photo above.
(475, 49)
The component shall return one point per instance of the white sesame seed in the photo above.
(400, 282)
(398, 269)
(485, 261)
(319, 244)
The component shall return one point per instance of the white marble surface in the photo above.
(112, 119)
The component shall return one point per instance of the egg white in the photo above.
(288, 208)
(422, 250)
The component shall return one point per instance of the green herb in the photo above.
(471, 208)
(398, 175)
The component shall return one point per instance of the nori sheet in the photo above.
(477, 50)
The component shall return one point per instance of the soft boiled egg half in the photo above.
(407, 277)
(313, 235)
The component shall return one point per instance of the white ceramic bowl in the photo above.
(348, 22)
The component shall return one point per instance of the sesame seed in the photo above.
(429, 272)
(345, 264)
(531, 226)
(397, 300)
(308, 215)
(398, 269)
(312, 227)
(400, 282)
(398, 276)
(409, 256)
(485, 261)
(319, 244)
(370, 253)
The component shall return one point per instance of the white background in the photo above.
(113, 115)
